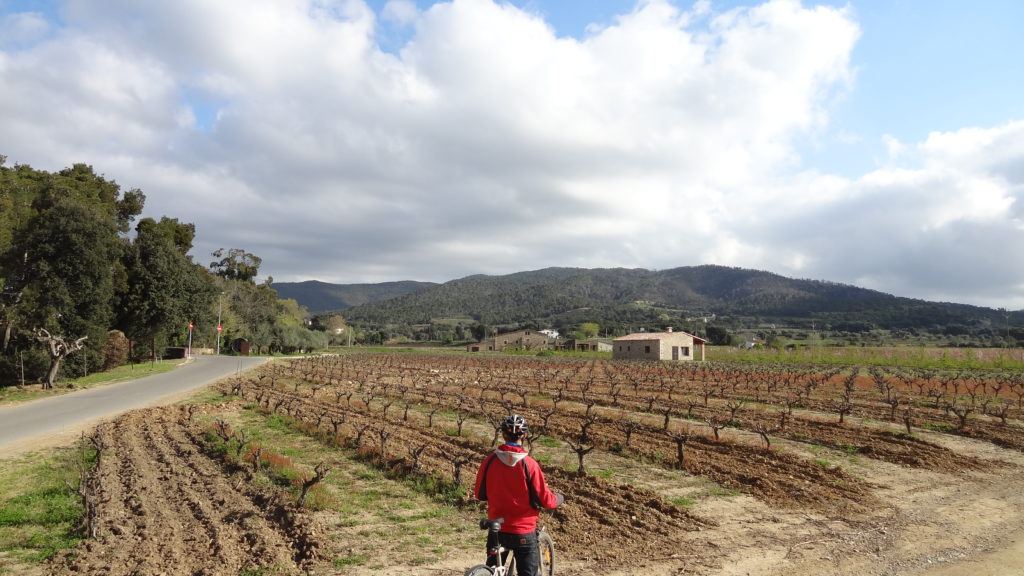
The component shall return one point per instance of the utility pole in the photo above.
(220, 303)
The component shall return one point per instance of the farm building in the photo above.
(659, 346)
(518, 340)
(588, 345)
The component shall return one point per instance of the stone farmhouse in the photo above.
(588, 345)
(679, 346)
(518, 340)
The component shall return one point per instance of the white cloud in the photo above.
(22, 28)
(894, 147)
(487, 143)
(402, 12)
(947, 229)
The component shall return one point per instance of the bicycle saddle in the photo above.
(492, 525)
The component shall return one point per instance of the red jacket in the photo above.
(507, 494)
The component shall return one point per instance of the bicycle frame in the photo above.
(501, 561)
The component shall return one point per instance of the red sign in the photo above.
(190, 326)
(219, 328)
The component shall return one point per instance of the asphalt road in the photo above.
(69, 412)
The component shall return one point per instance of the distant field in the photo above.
(909, 356)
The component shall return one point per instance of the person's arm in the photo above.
(548, 499)
(480, 477)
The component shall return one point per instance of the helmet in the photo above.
(514, 426)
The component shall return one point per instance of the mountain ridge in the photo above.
(319, 296)
(563, 296)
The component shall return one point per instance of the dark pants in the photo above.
(525, 549)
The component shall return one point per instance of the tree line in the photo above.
(87, 285)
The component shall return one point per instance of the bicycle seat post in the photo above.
(494, 547)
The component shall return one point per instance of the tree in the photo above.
(73, 257)
(236, 264)
(59, 349)
(61, 249)
(718, 336)
(334, 324)
(588, 330)
(165, 289)
(255, 309)
(480, 332)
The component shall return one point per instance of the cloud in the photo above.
(22, 29)
(486, 143)
(946, 228)
(401, 12)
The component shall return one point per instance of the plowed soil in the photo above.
(167, 508)
(861, 497)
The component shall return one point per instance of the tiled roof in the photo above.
(656, 336)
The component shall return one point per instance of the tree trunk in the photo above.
(7, 335)
(52, 374)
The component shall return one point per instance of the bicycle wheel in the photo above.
(479, 570)
(547, 554)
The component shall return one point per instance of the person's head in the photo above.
(514, 428)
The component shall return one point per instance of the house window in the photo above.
(686, 350)
(647, 349)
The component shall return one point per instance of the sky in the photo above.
(875, 143)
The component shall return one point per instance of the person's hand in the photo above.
(559, 499)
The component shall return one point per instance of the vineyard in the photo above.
(663, 465)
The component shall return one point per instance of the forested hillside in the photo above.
(319, 296)
(621, 300)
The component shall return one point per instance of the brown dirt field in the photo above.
(165, 507)
(857, 498)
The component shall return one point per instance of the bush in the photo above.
(115, 350)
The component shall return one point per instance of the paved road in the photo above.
(69, 412)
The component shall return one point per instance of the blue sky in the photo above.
(876, 143)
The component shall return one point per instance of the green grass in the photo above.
(683, 502)
(128, 372)
(39, 512)
(350, 560)
(548, 442)
(939, 427)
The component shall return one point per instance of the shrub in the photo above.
(115, 350)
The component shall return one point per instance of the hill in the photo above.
(635, 298)
(319, 296)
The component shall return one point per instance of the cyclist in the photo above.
(514, 489)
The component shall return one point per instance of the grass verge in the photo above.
(40, 509)
(15, 394)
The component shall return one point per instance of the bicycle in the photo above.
(505, 562)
